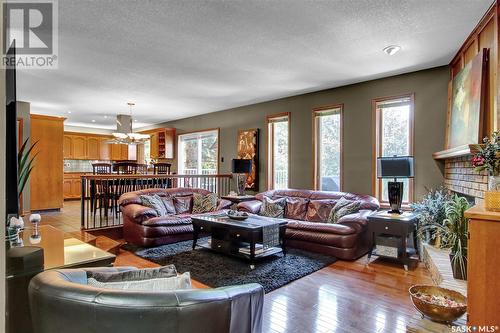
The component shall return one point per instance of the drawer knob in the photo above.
(201, 228)
(219, 246)
(386, 228)
(237, 235)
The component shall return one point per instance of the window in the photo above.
(327, 145)
(393, 137)
(198, 153)
(278, 145)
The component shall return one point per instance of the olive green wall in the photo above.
(429, 86)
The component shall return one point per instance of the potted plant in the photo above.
(431, 210)
(458, 227)
(487, 159)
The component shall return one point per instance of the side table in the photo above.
(236, 199)
(389, 233)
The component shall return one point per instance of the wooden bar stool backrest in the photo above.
(101, 168)
(125, 168)
(162, 168)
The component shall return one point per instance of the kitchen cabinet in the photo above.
(93, 145)
(78, 147)
(104, 149)
(162, 143)
(72, 185)
(67, 147)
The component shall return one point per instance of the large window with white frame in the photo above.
(393, 137)
(198, 153)
(278, 148)
(327, 147)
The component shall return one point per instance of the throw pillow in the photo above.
(350, 208)
(155, 202)
(204, 203)
(134, 275)
(182, 205)
(168, 201)
(179, 282)
(272, 208)
(296, 208)
(319, 210)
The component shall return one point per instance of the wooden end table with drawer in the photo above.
(389, 233)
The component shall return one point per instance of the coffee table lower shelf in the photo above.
(234, 250)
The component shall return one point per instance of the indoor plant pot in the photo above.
(459, 269)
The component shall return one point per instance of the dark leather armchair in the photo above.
(61, 301)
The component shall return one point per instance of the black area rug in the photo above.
(218, 270)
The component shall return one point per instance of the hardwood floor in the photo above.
(343, 297)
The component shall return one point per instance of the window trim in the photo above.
(376, 145)
(315, 115)
(270, 145)
(215, 129)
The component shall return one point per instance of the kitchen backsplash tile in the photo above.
(78, 165)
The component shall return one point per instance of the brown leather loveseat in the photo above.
(143, 227)
(307, 212)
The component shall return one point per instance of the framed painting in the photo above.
(465, 112)
(248, 148)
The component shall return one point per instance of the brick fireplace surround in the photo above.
(460, 177)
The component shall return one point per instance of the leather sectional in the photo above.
(143, 227)
(307, 212)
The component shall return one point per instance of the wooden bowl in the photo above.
(437, 312)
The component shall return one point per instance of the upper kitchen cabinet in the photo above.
(104, 148)
(67, 142)
(93, 147)
(162, 142)
(79, 147)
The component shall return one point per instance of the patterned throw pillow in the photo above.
(155, 202)
(272, 208)
(183, 205)
(134, 275)
(204, 203)
(345, 208)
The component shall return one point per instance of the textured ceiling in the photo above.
(177, 59)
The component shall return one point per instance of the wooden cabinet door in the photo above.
(67, 188)
(67, 143)
(79, 147)
(170, 143)
(153, 145)
(124, 152)
(104, 149)
(76, 188)
(93, 148)
(116, 152)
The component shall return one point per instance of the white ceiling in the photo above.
(177, 59)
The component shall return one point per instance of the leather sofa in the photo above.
(307, 211)
(61, 301)
(143, 227)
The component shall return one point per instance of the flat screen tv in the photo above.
(11, 190)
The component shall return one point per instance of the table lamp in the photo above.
(241, 167)
(395, 167)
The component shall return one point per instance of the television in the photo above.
(11, 140)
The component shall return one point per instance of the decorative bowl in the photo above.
(437, 312)
(240, 216)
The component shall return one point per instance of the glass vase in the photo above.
(492, 195)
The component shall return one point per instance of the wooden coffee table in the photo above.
(241, 239)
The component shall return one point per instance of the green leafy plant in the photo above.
(25, 164)
(453, 230)
(432, 213)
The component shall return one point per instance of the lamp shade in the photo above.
(395, 167)
(241, 165)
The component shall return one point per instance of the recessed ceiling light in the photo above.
(391, 49)
(69, 111)
(93, 120)
(105, 117)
